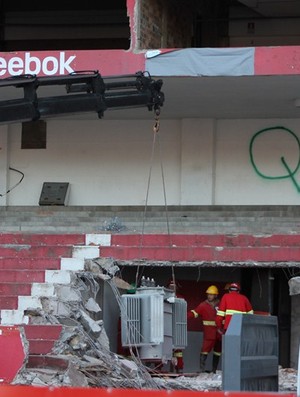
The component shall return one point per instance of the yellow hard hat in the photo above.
(212, 290)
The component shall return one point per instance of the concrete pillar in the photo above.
(295, 329)
(4, 165)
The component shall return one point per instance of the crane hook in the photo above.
(157, 121)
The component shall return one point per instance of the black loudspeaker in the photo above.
(54, 193)
(34, 135)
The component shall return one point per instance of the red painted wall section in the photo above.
(42, 239)
(12, 353)
(207, 254)
(208, 248)
(182, 240)
(29, 391)
(277, 60)
(268, 61)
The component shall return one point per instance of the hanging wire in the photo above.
(157, 121)
(155, 130)
(166, 206)
(285, 273)
(167, 214)
(156, 138)
(260, 283)
(164, 189)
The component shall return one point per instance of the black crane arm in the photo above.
(86, 92)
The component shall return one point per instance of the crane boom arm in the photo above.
(85, 92)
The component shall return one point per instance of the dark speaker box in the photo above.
(54, 193)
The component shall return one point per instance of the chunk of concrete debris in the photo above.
(122, 284)
(54, 307)
(129, 368)
(90, 325)
(106, 266)
(77, 344)
(44, 376)
(37, 381)
(93, 360)
(74, 378)
(103, 339)
(294, 285)
(67, 293)
(92, 306)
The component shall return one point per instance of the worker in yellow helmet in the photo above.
(207, 311)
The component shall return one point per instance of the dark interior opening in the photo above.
(57, 25)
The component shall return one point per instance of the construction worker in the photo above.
(231, 303)
(207, 311)
(177, 355)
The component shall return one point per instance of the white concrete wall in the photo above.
(236, 180)
(108, 162)
(197, 162)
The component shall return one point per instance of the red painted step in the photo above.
(25, 251)
(42, 239)
(22, 276)
(30, 263)
(232, 254)
(40, 346)
(41, 338)
(8, 302)
(183, 240)
(41, 361)
(14, 289)
(42, 331)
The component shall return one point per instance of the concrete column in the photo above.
(4, 166)
(295, 330)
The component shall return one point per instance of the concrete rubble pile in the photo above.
(82, 354)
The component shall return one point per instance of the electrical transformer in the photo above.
(154, 321)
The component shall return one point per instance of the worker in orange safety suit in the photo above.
(177, 355)
(231, 303)
(207, 311)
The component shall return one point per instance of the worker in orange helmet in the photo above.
(207, 311)
(231, 303)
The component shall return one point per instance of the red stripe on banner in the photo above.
(277, 60)
(57, 63)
